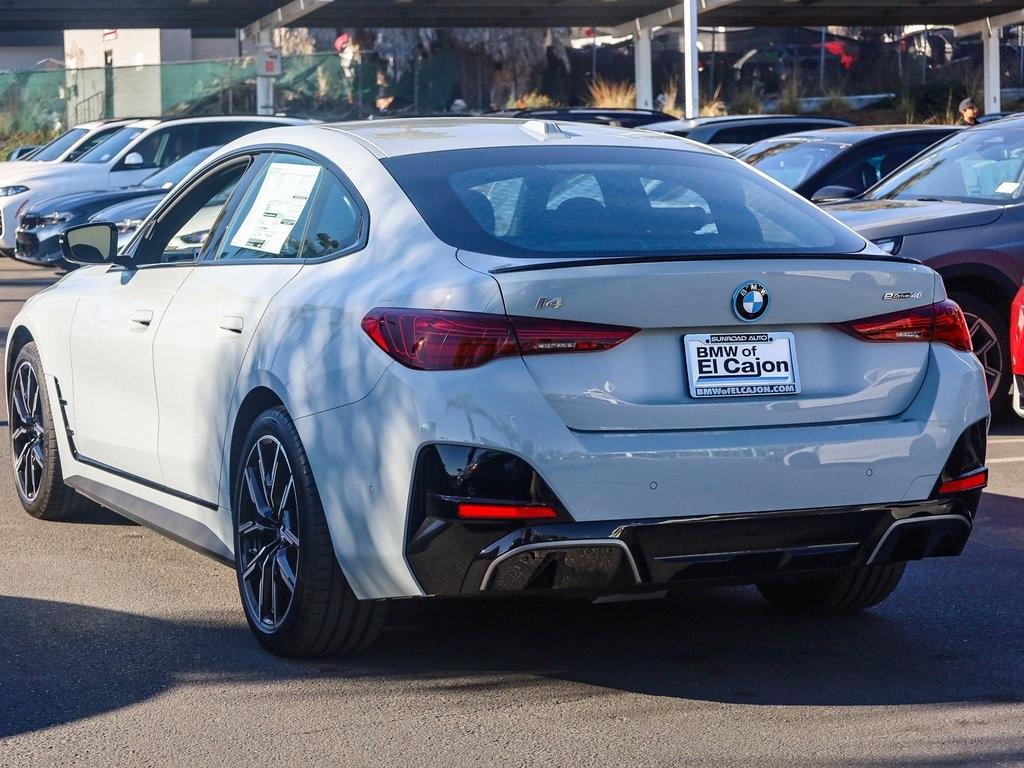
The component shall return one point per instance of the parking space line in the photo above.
(1006, 460)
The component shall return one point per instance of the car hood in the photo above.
(87, 202)
(137, 208)
(24, 172)
(875, 219)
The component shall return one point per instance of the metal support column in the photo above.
(691, 85)
(642, 67)
(990, 58)
(264, 83)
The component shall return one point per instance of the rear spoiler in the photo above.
(556, 263)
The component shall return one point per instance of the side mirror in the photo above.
(833, 192)
(133, 159)
(89, 244)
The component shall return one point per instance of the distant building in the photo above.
(31, 50)
(113, 72)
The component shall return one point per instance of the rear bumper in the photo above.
(623, 554)
(364, 457)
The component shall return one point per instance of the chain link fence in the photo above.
(38, 104)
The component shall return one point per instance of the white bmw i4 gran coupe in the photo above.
(477, 357)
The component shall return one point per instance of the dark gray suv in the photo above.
(959, 208)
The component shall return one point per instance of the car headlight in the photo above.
(57, 217)
(890, 245)
(128, 225)
(12, 189)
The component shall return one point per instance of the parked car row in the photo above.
(111, 155)
(955, 207)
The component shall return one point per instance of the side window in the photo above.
(336, 222)
(183, 228)
(219, 133)
(746, 134)
(271, 218)
(162, 148)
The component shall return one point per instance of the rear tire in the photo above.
(37, 472)
(296, 598)
(991, 337)
(852, 591)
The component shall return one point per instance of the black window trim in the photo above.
(256, 156)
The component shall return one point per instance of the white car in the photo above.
(70, 145)
(474, 357)
(134, 152)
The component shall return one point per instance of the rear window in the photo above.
(592, 201)
(790, 162)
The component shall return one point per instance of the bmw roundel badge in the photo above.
(750, 302)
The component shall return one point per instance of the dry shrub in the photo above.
(714, 106)
(608, 93)
(531, 100)
(746, 103)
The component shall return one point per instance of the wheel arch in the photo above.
(19, 338)
(255, 402)
(981, 281)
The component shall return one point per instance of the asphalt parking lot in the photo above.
(119, 647)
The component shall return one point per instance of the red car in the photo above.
(1017, 350)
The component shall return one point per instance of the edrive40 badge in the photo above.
(750, 302)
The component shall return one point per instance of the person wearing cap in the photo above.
(968, 113)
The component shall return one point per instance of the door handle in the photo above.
(142, 317)
(232, 323)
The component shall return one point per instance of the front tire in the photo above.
(855, 590)
(296, 598)
(37, 472)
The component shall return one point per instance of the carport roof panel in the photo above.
(207, 14)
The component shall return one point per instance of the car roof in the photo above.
(410, 136)
(689, 123)
(92, 125)
(859, 133)
(152, 122)
(1010, 121)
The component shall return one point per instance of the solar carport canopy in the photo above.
(200, 14)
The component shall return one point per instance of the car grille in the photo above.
(26, 244)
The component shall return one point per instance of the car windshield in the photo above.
(791, 161)
(175, 172)
(614, 201)
(981, 165)
(106, 151)
(60, 145)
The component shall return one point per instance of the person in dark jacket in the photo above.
(968, 113)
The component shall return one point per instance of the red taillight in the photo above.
(482, 511)
(439, 340)
(942, 322)
(970, 482)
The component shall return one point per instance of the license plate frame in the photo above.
(723, 374)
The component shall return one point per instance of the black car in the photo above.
(730, 132)
(36, 238)
(836, 163)
(624, 118)
(959, 208)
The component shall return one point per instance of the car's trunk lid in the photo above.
(643, 384)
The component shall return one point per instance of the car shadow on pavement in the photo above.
(940, 638)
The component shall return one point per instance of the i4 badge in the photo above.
(750, 302)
